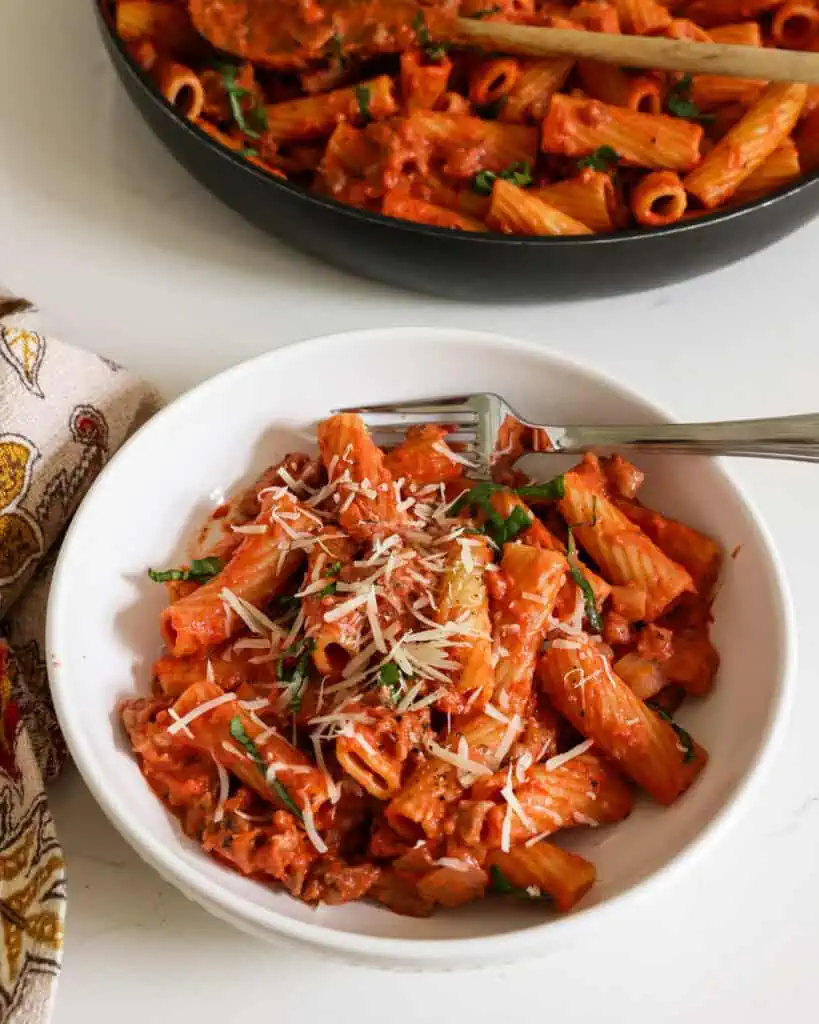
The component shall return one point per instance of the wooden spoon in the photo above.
(646, 51)
(292, 33)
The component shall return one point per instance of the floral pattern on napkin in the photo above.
(63, 412)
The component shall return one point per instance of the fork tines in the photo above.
(397, 417)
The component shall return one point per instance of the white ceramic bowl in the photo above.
(103, 625)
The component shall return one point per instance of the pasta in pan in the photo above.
(383, 116)
(384, 680)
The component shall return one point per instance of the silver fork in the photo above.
(477, 420)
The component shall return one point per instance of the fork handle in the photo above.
(783, 437)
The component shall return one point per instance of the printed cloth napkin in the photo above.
(63, 412)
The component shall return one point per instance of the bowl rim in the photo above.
(242, 911)
(303, 194)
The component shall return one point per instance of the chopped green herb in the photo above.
(436, 51)
(362, 97)
(485, 12)
(237, 731)
(421, 30)
(201, 570)
(336, 45)
(477, 496)
(480, 495)
(252, 123)
(483, 181)
(480, 498)
(257, 119)
(333, 569)
(576, 573)
(602, 159)
(519, 174)
(297, 696)
(501, 886)
(685, 739)
(552, 490)
(516, 522)
(248, 151)
(296, 676)
(390, 676)
(499, 530)
(491, 112)
(678, 102)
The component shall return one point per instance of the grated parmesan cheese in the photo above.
(254, 705)
(522, 766)
(461, 761)
(294, 484)
(200, 709)
(259, 818)
(249, 644)
(506, 830)
(565, 645)
(342, 609)
(279, 520)
(560, 759)
(224, 789)
(255, 620)
(445, 450)
(298, 622)
(333, 788)
(375, 625)
(508, 738)
(425, 702)
(455, 863)
(310, 828)
(175, 716)
(508, 795)
(312, 588)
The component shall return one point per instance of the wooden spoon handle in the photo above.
(646, 51)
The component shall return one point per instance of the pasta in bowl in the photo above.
(419, 697)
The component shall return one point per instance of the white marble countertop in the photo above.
(126, 255)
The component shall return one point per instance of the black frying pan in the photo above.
(459, 264)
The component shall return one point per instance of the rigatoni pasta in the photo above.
(589, 198)
(659, 199)
(515, 211)
(577, 127)
(748, 144)
(383, 679)
(544, 870)
(388, 117)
